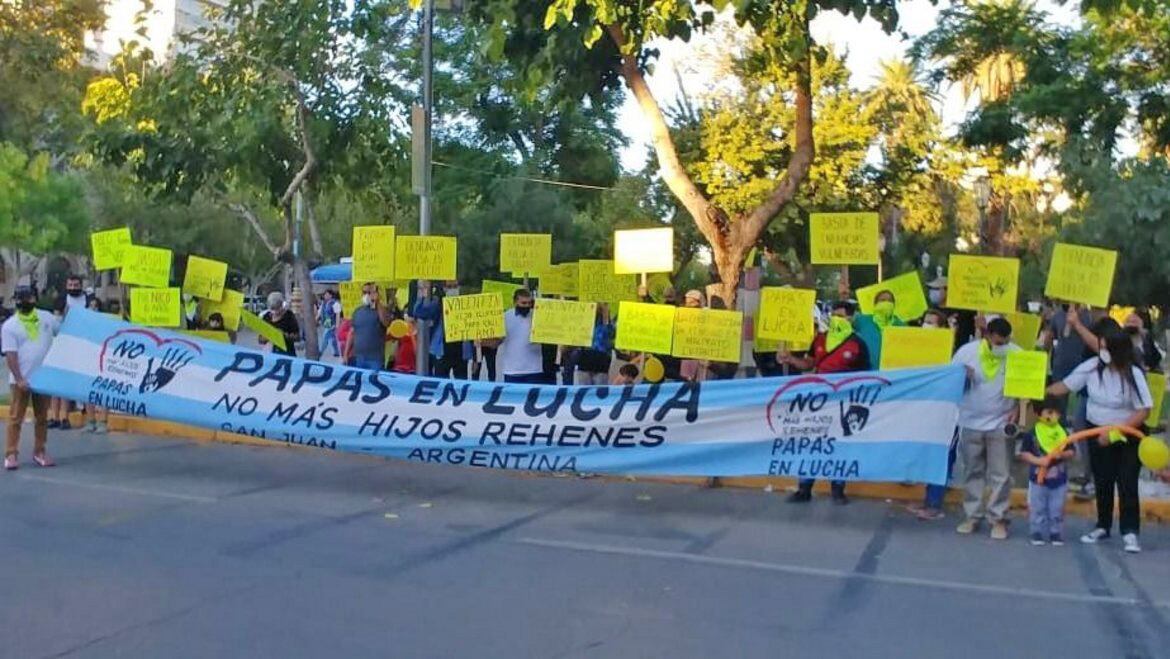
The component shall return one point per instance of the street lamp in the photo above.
(982, 196)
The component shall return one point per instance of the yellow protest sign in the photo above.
(425, 257)
(525, 252)
(155, 307)
(264, 329)
(204, 278)
(844, 238)
(146, 266)
(912, 347)
(1025, 374)
(983, 283)
(1157, 383)
(598, 283)
(350, 293)
(909, 301)
(1081, 274)
(637, 251)
(645, 327)
(373, 253)
(210, 335)
(710, 334)
(471, 317)
(228, 306)
(786, 314)
(109, 247)
(1025, 328)
(502, 289)
(559, 280)
(563, 322)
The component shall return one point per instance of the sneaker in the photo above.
(53, 424)
(800, 496)
(1037, 540)
(101, 428)
(11, 463)
(1095, 536)
(967, 526)
(1056, 539)
(999, 531)
(43, 460)
(1131, 543)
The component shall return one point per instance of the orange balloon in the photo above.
(653, 370)
(399, 328)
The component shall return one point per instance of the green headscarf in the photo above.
(989, 362)
(1049, 435)
(883, 314)
(31, 322)
(839, 330)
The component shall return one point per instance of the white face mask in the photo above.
(365, 300)
(1106, 358)
(999, 351)
(930, 324)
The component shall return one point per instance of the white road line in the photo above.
(118, 488)
(828, 573)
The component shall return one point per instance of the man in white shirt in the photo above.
(984, 411)
(26, 338)
(519, 358)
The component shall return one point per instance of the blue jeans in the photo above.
(935, 493)
(329, 338)
(369, 364)
(1046, 509)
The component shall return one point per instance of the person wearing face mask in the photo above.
(74, 297)
(282, 319)
(365, 342)
(520, 358)
(870, 326)
(983, 414)
(448, 359)
(26, 338)
(1146, 353)
(836, 350)
(961, 321)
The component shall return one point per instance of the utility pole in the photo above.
(422, 166)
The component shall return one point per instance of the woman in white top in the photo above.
(1117, 395)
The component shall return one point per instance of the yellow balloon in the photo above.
(399, 328)
(653, 370)
(1154, 453)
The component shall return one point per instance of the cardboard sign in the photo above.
(228, 306)
(155, 307)
(639, 251)
(983, 283)
(425, 257)
(210, 335)
(373, 253)
(598, 283)
(1026, 374)
(844, 238)
(786, 314)
(559, 280)
(472, 317)
(264, 329)
(525, 252)
(1025, 328)
(1081, 274)
(109, 248)
(708, 334)
(146, 266)
(503, 289)
(1157, 384)
(563, 322)
(350, 293)
(909, 300)
(645, 327)
(205, 278)
(912, 347)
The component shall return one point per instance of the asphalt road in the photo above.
(145, 547)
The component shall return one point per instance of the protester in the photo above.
(26, 338)
(405, 354)
(932, 502)
(448, 358)
(689, 369)
(1146, 353)
(1046, 498)
(983, 414)
(593, 362)
(74, 296)
(870, 326)
(95, 304)
(328, 315)
(520, 358)
(191, 312)
(1117, 396)
(344, 331)
(1079, 322)
(961, 321)
(626, 375)
(366, 338)
(836, 350)
(934, 319)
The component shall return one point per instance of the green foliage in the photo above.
(41, 210)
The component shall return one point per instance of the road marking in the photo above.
(118, 488)
(829, 573)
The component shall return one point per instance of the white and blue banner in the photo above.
(881, 426)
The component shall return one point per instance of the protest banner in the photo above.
(473, 317)
(645, 327)
(914, 347)
(109, 247)
(228, 306)
(1157, 384)
(264, 329)
(844, 238)
(559, 280)
(425, 257)
(637, 251)
(1025, 328)
(525, 253)
(373, 253)
(155, 307)
(1081, 274)
(598, 283)
(504, 289)
(983, 283)
(563, 322)
(205, 278)
(1025, 374)
(210, 335)
(146, 266)
(757, 426)
(709, 334)
(786, 314)
(909, 300)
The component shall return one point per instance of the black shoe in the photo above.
(65, 425)
(53, 424)
(840, 499)
(800, 496)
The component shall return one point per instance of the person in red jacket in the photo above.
(836, 350)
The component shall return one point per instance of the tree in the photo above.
(41, 211)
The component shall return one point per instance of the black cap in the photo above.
(24, 293)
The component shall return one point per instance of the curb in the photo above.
(1155, 510)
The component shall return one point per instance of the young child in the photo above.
(1046, 499)
(627, 374)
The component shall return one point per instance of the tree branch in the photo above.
(306, 142)
(258, 228)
